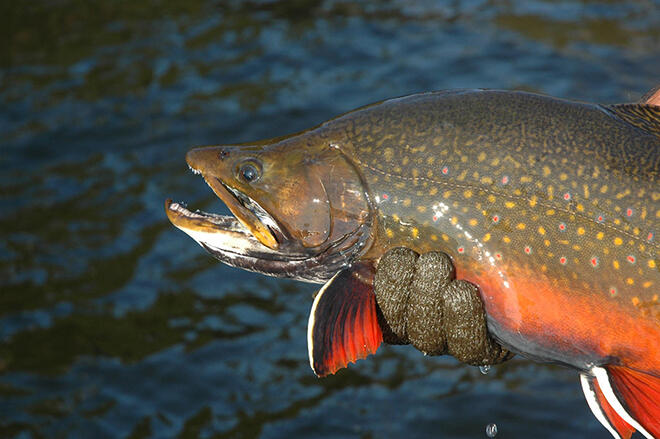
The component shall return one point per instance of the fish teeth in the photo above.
(194, 171)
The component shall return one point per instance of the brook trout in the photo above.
(550, 206)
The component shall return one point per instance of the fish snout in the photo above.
(202, 158)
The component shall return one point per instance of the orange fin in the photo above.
(343, 324)
(634, 395)
(602, 410)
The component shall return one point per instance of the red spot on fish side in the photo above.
(445, 170)
(600, 218)
(567, 196)
(498, 255)
(612, 291)
(562, 260)
(594, 261)
(528, 250)
(562, 226)
(631, 259)
(629, 212)
(650, 236)
(505, 179)
(435, 217)
(461, 249)
(496, 219)
(385, 196)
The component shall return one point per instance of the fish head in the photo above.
(299, 205)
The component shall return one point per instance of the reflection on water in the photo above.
(114, 324)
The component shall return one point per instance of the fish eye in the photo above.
(249, 172)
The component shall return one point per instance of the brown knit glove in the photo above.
(422, 304)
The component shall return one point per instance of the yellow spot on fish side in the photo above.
(603, 189)
(415, 173)
(618, 241)
(651, 263)
(532, 201)
(406, 202)
(482, 156)
(433, 191)
(415, 232)
(445, 237)
(486, 237)
(521, 226)
(510, 204)
(635, 301)
(491, 198)
(473, 222)
(447, 194)
(547, 243)
(647, 284)
(421, 209)
(467, 193)
(541, 230)
(506, 239)
(600, 235)
(580, 231)
(434, 237)
(630, 281)
(550, 212)
(546, 171)
(388, 154)
(563, 176)
(389, 233)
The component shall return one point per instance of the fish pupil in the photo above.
(249, 173)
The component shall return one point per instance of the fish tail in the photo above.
(628, 398)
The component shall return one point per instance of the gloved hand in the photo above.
(422, 304)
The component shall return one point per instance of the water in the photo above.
(114, 324)
(491, 430)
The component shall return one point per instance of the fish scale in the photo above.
(521, 186)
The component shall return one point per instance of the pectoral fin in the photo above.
(343, 323)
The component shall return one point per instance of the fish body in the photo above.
(550, 206)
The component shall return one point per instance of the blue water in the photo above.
(115, 324)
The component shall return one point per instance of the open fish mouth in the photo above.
(253, 240)
(218, 233)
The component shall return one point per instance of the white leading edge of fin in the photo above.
(311, 322)
(594, 405)
(606, 387)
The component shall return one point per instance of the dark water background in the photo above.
(115, 324)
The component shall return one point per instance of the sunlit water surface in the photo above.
(115, 324)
